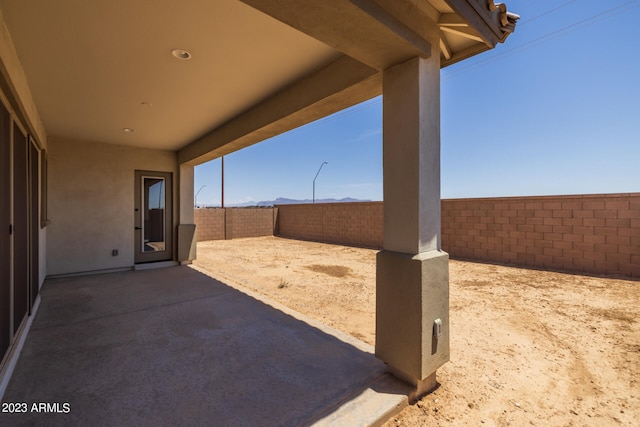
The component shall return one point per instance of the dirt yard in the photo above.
(527, 347)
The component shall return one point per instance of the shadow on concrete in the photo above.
(173, 346)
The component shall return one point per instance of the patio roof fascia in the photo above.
(339, 85)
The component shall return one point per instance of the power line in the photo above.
(520, 24)
(572, 27)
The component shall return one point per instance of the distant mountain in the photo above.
(285, 201)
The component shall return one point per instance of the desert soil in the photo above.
(527, 347)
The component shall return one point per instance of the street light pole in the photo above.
(314, 181)
(222, 184)
(196, 197)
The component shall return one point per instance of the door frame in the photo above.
(141, 256)
(35, 198)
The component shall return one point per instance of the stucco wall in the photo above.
(91, 203)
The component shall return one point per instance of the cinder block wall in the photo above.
(597, 234)
(593, 234)
(357, 224)
(209, 224)
(250, 222)
(234, 223)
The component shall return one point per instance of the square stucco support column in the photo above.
(412, 282)
(186, 227)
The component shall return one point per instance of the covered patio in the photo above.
(106, 107)
(174, 346)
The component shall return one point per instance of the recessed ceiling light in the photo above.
(128, 130)
(181, 54)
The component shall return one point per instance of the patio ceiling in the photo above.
(92, 64)
(97, 67)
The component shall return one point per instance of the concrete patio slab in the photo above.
(175, 347)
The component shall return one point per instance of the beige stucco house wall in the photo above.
(91, 207)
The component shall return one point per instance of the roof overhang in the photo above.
(259, 67)
(473, 27)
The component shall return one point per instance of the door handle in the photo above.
(137, 228)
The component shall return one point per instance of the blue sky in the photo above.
(554, 110)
